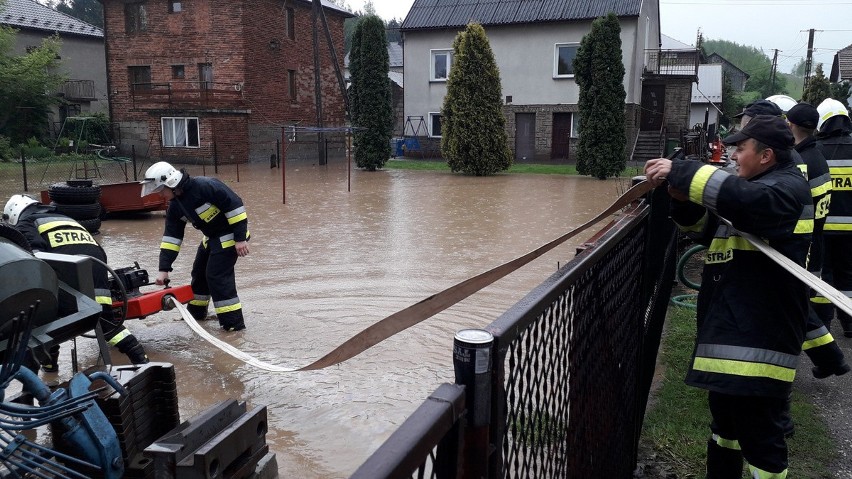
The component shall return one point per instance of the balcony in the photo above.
(77, 90)
(672, 63)
(187, 95)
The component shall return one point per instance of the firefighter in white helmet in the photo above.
(210, 206)
(48, 230)
(835, 143)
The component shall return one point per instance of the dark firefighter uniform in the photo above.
(837, 269)
(819, 344)
(214, 209)
(751, 313)
(47, 230)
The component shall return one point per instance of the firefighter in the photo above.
(819, 344)
(47, 230)
(751, 312)
(835, 143)
(210, 206)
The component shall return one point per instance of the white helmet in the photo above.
(160, 175)
(15, 206)
(829, 108)
(784, 102)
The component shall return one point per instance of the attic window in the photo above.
(563, 62)
(291, 23)
(175, 7)
(439, 67)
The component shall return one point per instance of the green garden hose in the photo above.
(687, 300)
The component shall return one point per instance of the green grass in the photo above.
(522, 168)
(677, 425)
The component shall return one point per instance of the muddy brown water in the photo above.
(331, 262)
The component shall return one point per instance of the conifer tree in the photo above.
(599, 72)
(370, 94)
(819, 88)
(473, 128)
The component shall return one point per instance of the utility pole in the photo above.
(774, 69)
(809, 60)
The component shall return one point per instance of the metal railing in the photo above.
(78, 90)
(672, 62)
(571, 369)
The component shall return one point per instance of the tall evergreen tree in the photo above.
(473, 128)
(819, 88)
(599, 72)
(90, 11)
(370, 94)
(24, 79)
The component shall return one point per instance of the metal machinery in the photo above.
(106, 422)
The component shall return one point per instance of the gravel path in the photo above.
(832, 397)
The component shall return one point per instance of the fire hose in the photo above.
(414, 314)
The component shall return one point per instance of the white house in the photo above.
(706, 95)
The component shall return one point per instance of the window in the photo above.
(291, 84)
(178, 72)
(135, 17)
(180, 132)
(575, 125)
(175, 7)
(435, 125)
(563, 64)
(291, 23)
(205, 75)
(440, 66)
(140, 78)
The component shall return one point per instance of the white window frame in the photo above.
(556, 48)
(433, 54)
(174, 120)
(575, 124)
(432, 115)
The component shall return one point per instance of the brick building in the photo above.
(195, 81)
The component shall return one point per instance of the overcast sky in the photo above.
(766, 24)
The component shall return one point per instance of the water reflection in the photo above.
(331, 262)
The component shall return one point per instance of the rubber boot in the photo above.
(723, 462)
(50, 364)
(846, 323)
(197, 312)
(134, 351)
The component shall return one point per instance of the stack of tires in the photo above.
(78, 199)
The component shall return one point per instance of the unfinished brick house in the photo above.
(203, 81)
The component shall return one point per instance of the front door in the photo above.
(561, 136)
(653, 106)
(524, 136)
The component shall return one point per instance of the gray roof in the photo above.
(394, 56)
(841, 65)
(670, 43)
(396, 77)
(429, 14)
(29, 15)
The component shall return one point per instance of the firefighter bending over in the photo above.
(47, 230)
(210, 206)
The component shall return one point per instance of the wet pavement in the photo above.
(331, 262)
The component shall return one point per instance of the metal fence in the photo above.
(570, 373)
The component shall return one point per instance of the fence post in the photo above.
(24, 167)
(472, 365)
(133, 158)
